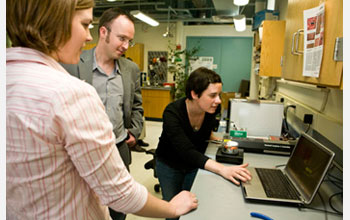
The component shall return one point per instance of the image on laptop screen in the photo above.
(307, 165)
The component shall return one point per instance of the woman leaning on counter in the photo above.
(187, 126)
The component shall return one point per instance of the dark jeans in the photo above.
(116, 215)
(173, 181)
(125, 153)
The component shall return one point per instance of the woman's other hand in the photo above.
(184, 202)
(232, 173)
(236, 173)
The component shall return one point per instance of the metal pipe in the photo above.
(303, 85)
(116, 4)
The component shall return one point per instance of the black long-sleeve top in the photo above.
(179, 146)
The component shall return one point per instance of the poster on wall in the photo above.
(313, 40)
(201, 62)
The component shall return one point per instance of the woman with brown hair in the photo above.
(187, 126)
(61, 160)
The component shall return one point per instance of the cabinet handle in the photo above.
(293, 40)
(297, 34)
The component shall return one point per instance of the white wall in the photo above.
(326, 106)
(152, 38)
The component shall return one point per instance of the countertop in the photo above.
(221, 199)
(156, 87)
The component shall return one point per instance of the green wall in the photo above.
(232, 55)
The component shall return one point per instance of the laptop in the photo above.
(299, 180)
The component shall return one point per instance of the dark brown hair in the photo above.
(199, 80)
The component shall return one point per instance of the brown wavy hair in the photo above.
(43, 25)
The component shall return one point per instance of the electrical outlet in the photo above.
(308, 119)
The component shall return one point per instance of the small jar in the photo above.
(231, 147)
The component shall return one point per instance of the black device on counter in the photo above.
(227, 155)
(256, 145)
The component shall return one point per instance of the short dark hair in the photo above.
(110, 14)
(199, 80)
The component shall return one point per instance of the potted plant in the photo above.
(178, 62)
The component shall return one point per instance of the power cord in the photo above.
(324, 205)
(308, 120)
(307, 129)
(331, 204)
(335, 211)
(338, 182)
(285, 118)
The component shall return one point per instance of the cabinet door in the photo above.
(136, 54)
(331, 71)
(272, 46)
(154, 102)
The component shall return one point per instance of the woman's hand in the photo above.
(232, 173)
(235, 173)
(179, 205)
(184, 202)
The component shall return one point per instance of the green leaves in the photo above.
(178, 62)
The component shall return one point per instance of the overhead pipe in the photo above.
(116, 4)
(175, 10)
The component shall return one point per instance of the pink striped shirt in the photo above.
(61, 159)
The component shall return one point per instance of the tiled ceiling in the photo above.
(189, 11)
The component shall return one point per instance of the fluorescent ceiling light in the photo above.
(139, 15)
(111, 0)
(239, 22)
(240, 2)
(270, 5)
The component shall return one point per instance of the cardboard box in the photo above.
(260, 16)
(225, 96)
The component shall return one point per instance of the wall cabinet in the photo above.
(331, 71)
(136, 54)
(272, 46)
(154, 102)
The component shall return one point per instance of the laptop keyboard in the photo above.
(275, 184)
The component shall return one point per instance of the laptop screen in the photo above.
(308, 165)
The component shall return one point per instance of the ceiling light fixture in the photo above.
(139, 15)
(167, 33)
(270, 5)
(240, 2)
(239, 22)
